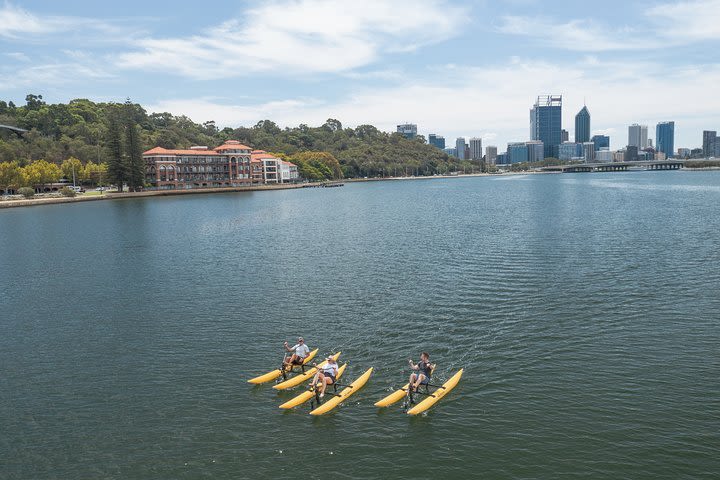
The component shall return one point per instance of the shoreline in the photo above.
(256, 188)
(152, 193)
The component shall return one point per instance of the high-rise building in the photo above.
(604, 156)
(683, 152)
(564, 136)
(460, 147)
(631, 153)
(517, 152)
(582, 126)
(536, 151)
(665, 138)
(638, 135)
(588, 151)
(450, 151)
(709, 140)
(437, 141)
(491, 154)
(476, 149)
(407, 130)
(569, 150)
(546, 123)
(600, 141)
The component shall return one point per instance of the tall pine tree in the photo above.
(133, 149)
(117, 166)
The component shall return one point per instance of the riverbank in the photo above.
(151, 193)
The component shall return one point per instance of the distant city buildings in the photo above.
(407, 130)
(711, 144)
(601, 141)
(450, 151)
(582, 126)
(491, 154)
(588, 151)
(638, 136)
(437, 141)
(517, 152)
(569, 151)
(631, 154)
(564, 136)
(604, 156)
(460, 148)
(546, 123)
(476, 152)
(683, 153)
(665, 138)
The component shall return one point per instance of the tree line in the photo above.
(115, 135)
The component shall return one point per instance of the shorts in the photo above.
(331, 377)
(298, 361)
(426, 380)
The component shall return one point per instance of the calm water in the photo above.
(584, 308)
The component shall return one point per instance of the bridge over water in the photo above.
(616, 166)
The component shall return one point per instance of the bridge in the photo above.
(616, 166)
(17, 131)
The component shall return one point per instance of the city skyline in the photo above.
(305, 61)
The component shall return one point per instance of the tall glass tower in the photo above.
(582, 126)
(546, 123)
(665, 138)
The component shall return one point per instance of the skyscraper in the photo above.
(564, 136)
(517, 152)
(665, 138)
(600, 141)
(709, 139)
(582, 126)
(588, 151)
(638, 136)
(491, 154)
(476, 149)
(460, 147)
(407, 130)
(437, 141)
(546, 123)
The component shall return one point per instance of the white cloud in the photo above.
(497, 99)
(689, 20)
(301, 36)
(663, 25)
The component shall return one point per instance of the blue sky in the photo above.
(456, 68)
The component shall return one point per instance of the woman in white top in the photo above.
(325, 376)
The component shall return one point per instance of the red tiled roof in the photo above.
(288, 163)
(232, 145)
(165, 151)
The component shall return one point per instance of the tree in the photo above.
(94, 173)
(133, 151)
(72, 169)
(41, 172)
(10, 176)
(117, 166)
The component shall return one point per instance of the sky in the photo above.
(468, 68)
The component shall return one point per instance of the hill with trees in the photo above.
(111, 134)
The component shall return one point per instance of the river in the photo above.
(584, 308)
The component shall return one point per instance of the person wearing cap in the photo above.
(300, 353)
(325, 376)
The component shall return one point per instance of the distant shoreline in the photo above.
(257, 188)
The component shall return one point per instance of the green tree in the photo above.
(41, 172)
(117, 166)
(72, 169)
(133, 150)
(10, 176)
